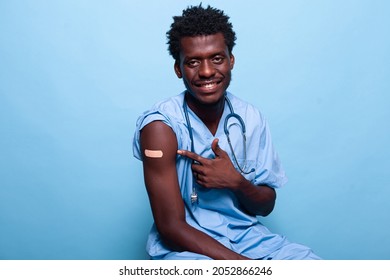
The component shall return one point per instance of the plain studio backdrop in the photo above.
(75, 75)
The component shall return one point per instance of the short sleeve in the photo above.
(158, 115)
(269, 170)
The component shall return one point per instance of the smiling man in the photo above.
(209, 164)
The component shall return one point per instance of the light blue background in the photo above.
(74, 76)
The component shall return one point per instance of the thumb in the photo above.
(215, 147)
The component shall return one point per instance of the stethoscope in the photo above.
(194, 194)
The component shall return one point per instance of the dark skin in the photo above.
(205, 66)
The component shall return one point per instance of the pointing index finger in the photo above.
(191, 155)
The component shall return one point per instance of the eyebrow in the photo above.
(222, 53)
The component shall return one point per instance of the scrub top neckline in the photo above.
(206, 130)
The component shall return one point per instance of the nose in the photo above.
(206, 69)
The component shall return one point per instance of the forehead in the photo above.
(202, 45)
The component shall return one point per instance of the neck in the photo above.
(210, 114)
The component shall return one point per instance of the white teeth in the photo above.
(210, 85)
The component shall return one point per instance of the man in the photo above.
(206, 181)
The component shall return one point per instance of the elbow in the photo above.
(265, 211)
(266, 206)
(269, 203)
(260, 209)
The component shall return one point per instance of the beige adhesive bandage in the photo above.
(153, 153)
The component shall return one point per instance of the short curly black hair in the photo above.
(195, 21)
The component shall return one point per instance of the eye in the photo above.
(192, 63)
(218, 59)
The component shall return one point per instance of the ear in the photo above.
(178, 70)
(232, 59)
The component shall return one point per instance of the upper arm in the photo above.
(160, 174)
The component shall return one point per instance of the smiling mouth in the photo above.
(208, 84)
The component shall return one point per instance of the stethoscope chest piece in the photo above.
(194, 198)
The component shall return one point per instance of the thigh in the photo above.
(293, 251)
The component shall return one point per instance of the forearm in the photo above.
(183, 237)
(258, 200)
(219, 173)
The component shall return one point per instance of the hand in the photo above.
(218, 172)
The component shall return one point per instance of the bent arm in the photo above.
(165, 198)
(219, 172)
(258, 200)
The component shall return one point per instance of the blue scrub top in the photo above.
(218, 212)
